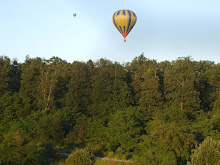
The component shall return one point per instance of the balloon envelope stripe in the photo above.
(131, 28)
(129, 21)
(121, 29)
(115, 23)
(133, 13)
(123, 12)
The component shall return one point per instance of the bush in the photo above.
(80, 157)
(208, 152)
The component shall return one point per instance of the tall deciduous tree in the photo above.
(136, 70)
(4, 75)
(109, 89)
(151, 95)
(29, 84)
(203, 85)
(214, 80)
(179, 85)
(49, 75)
(15, 76)
(79, 87)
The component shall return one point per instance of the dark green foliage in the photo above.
(16, 148)
(15, 77)
(53, 127)
(49, 128)
(136, 70)
(29, 85)
(179, 85)
(203, 85)
(77, 130)
(109, 89)
(79, 87)
(153, 154)
(149, 111)
(203, 127)
(96, 132)
(4, 75)
(125, 128)
(174, 137)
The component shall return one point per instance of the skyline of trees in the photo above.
(143, 110)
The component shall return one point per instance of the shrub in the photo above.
(208, 152)
(80, 157)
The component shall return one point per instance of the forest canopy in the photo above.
(148, 111)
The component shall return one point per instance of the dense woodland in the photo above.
(147, 111)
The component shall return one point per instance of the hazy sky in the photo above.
(165, 30)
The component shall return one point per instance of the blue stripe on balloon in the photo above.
(115, 22)
(129, 21)
(124, 29)
(131, 29)
(121, 29)
(118, 12)
(134, 13)
(123, 12)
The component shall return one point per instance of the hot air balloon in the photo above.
(74, 14)
(124, 21)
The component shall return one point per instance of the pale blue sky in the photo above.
(165, 30)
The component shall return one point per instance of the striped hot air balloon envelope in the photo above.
(124, 21)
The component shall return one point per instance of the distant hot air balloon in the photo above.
(74, 14)
(124, 21)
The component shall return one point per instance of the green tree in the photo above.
(208, 152)
(50, 128)
(15, 76)
(17, 148)
(12, 148)
(80, 157)
(79, 87)
(96, 132)
(125, 129)
(76, 129)
(152, 153)
(151, 95)
(136, 70)
(179, 85)
(214, 81)
(10, 106)
(203, 85)
(109, 89)
(63, 78)
(29, 85)
(173, 136)
(50, 73)
(4, 75)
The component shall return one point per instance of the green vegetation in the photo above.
(80, 157)
(108, 162)
(207, 153)
(146, 111)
